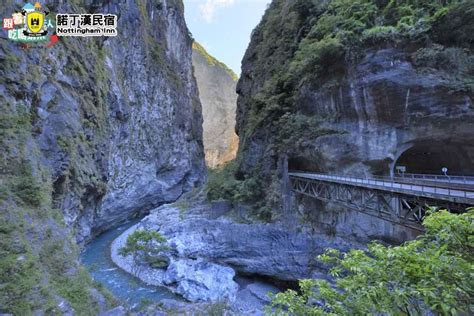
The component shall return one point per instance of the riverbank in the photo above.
(198, 280)
(209, 254)
(129, 290)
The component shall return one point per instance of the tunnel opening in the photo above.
(302, 164)
(424, 158)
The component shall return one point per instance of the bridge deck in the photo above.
(455, 194)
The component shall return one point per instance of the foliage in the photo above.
(215, 309)
(311, 40)
(27, 188)
(36, 260)
(433, 272)
(452, 26)
(143, 240)
(15, 127)
(249, 191)
(317, 56)
(32, 273)
(274, 43)
(456, 65)
(19, 276)
(144, 245)
(75, 289)
(380, 33)
(347, 24)
(223, 184)
(295, 128)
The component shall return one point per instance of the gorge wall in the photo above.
(357, 89)
(93, 131)
(216, 84)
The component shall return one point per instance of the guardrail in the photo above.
(442, 178)
(389, 182)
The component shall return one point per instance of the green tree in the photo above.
(145, 246)
(433, 272)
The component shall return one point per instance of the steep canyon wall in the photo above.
(356, 89)
(94, 131)
(216, 84)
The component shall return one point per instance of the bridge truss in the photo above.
(403, 209)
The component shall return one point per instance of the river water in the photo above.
(129, 290)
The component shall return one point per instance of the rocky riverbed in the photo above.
(208, 255)
(126, 288)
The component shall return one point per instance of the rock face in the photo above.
(251, 298)
(262, 249)
(207, 253)
(200, 280)
(363, 107)
(195, 279)
(389, 111)
(216, 84)
(118, 121)
(93, 131)
(389, 103)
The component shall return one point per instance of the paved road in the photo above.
(459, 195)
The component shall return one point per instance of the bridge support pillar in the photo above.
(285, 184)
(396, 206)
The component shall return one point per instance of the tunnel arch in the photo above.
(429, 157)
(300, 163)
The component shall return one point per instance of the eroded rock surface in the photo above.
(353, 106)
(92, 132)
(216, 84)
(201, 280)
(117, 121)
(206, 254)
(195, 279)
(380, 101)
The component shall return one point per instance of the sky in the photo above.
(223, 27)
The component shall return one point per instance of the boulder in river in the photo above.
(271, 250)
(206, 254)
(198, 280)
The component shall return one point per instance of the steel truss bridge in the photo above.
(401, 200)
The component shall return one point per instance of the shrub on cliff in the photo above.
(223, 184)
(304, 51)
(37, 265)
(145, 246)
(433, 272)
(347, 25)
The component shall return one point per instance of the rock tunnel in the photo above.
(303, 164)
(430, 158)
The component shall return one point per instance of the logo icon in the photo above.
(35, 22)
(32, 25)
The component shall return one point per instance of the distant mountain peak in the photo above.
(213, 61)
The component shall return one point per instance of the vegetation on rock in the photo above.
(145, 246)
(37, 256)
(302, 48)
(312, 40)
(431, 273)
(223, 183)
(212, 61)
